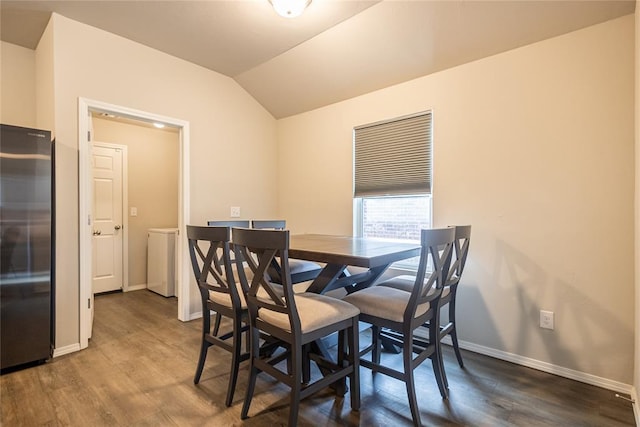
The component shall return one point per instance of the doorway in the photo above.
(151, 191)
(86, 108)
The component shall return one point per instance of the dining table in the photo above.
(372, 257)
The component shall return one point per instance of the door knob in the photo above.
(117, 227)
(97, 233)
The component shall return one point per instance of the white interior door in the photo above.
(107, 266)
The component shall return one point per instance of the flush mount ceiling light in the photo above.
(289, 8)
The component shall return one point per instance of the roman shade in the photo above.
(393, 157)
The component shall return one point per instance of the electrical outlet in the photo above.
(546, 319)
(235, 211)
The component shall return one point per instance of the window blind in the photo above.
(393, 157)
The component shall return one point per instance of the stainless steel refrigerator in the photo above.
(26, 242)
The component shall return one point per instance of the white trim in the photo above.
(196, 315)
(184, 194)
(545, 367)
(85, 107)
(125, 204)
(84, 225)
(125, 219)
(635, 404)
(139, 287)
(57, 352)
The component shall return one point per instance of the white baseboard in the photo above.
(636, 404)
(547, 367)
(196, 315)
(136, 287)
(61, 351)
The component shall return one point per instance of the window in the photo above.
(392, 179)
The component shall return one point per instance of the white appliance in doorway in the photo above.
(162, 260)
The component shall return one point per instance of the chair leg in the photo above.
(296, 384)
(203, 356)
(444, 373)
(253, 372)
(454, 331)
(204, 346)
(438, 370)
(375, 340)
(354, 360)
(454, 340)
(407, 356)
(340, 391)
(441, 363)
(216, 325)
(306, 363)
(436, 356)
(235, 359)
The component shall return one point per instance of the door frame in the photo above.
(125, 204)
(85, 108)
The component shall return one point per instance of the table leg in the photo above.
(388, 344)
(328, 275)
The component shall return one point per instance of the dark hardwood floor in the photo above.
(138, 371)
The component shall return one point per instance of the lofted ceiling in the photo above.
(336, 50)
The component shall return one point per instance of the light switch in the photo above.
(134, 211)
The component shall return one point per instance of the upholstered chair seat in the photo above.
(406, 282)
(386, 302)
(316, 312)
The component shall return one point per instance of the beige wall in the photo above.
(534, 148)
(152, 169)
(232, 137)
(45, 102)
(17, 79)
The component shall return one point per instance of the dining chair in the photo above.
(227, 223)
(298, 319)
(272, 224)
(404, 312)
(450, 290)
(230, 223)
(461, 250)
(301, 270)
(209, 248)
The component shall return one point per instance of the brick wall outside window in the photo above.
(396, 217)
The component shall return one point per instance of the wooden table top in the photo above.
(348, 250)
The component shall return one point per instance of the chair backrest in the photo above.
(245, 223)
(436, 250)
(271, 224)
(209, 248)
(258, 249)
(230, 223)
(274, 224)
(461, 249)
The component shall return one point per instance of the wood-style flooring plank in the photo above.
(139, 367)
